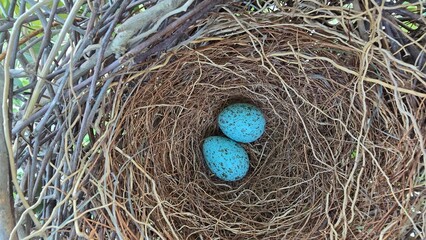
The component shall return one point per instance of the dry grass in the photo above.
(339, 158)
(114, 152)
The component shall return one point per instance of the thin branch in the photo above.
(5, 108)
(87, 118)
(47, 65)
(7, 216)
(199, 9)
(141, 22)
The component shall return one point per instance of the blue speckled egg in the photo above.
(242, 122)
(225, 158)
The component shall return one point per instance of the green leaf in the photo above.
(333, 21)
(348, 6)
(86, 140)
(412, 8)
(3, 7)
(17, 104)
(353, 154)
(411, 25)
(21, 82)
(35, 25)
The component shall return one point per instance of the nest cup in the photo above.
(329, 161)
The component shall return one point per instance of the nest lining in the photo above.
(329, 164)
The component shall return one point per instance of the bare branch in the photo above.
(7, 216)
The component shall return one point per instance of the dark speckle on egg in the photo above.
(225, 158)
(242, 122)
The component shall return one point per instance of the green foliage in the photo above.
(17, 102)
(4, 5)
(19, 175)
(353, 154)
(20, 82)
(411, 8)
(86, 140)
(408, 25)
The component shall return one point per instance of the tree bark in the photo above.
(7, 219)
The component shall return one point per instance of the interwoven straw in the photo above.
(340, 158)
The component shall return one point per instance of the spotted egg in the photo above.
(225, 158)
(242, 122)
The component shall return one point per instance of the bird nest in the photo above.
(341, 156)
(108, 145)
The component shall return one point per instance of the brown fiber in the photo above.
(341, 157)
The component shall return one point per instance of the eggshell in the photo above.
(242, 122)
(225, 158)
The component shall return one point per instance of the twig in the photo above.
(7, 213)
(7, 24)
(21, 124)
(153, 29)
(47, 65)
(47, 33)
(87, 116)
(199, 9)
(26, 39)
(5, 109)
(360, 22)
(141, 22)
(367, 79)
